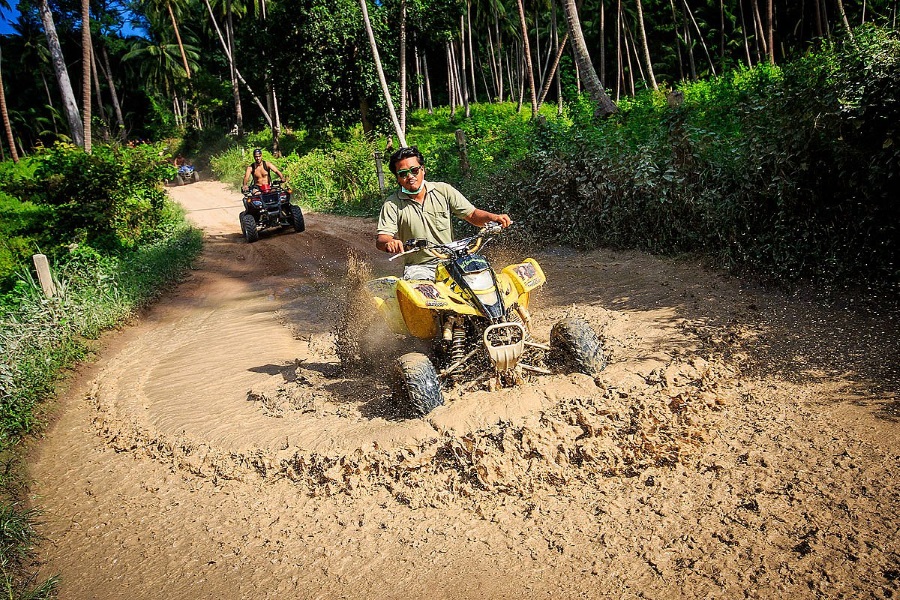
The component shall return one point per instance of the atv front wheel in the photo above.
(179, 180)
(574, 344)
(297, 218)
(418, 388)
(195, 176)
(248, 226)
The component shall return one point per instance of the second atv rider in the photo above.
(421, 209)
(260, 171)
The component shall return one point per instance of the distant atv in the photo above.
(267, 206)
(477, 321)
(186, 174)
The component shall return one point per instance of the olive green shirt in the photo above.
(406, 219)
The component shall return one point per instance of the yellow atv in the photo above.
(476, 319)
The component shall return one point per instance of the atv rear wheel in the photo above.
(248, 226)
(418, 388)
(575, 345)
(297, 218)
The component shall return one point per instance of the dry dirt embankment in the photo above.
(739, 443)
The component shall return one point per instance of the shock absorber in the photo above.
(458, 345)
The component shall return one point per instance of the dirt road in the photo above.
(740, 443)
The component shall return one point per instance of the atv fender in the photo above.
(525, 277)
(384, 295)
(420, 299)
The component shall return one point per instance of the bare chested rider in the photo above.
(260, 171)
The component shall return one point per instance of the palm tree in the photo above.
(158, 63)
(529, 74)
(171, 7)
(643, 37)
(86, 72)
(7, 126)
(595, 89)
(401, 137)
(76, 129)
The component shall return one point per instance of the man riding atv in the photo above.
(421, 209)
(260, 170)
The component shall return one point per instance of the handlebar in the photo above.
(277, 185)
(468, 245)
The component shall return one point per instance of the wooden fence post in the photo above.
(43, 272)
(464, 168)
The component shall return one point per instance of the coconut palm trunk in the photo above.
(401, 137)
(187, 68)
(529, 69)
(70, 107)
(117, 108)
(86, 72)
(403, 65)
(592, 83)
(7, 126)
(643, 38)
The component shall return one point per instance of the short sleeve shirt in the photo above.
(406, 219)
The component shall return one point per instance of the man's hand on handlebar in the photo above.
(503, 220)
(394, 247)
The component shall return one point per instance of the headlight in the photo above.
(482, 284)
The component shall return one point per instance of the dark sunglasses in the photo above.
(404, 173)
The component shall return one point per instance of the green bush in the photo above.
(790, 172)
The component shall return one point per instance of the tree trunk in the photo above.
(76, 128)
(117, 108)
(553, 74)
(643, 37)
(840, 5)
(230, 57)
(626, 33)
(427, 84)
(620, 71)
(462, 54)
(760, 29)
(520, 73)
(95, 78)
(401, 137)
(235, 88)
(494, 71)
(709, 59)
(7, 126)
(403, 65)
(471, 51)
(187, 68)
(86, 73)
(527, 57)
(818, 20)
(744, 31)
(420, 100)
(675, 26)
(451, 87)
(500, 55)
(602, 43)
(595, 90)
(770, 29)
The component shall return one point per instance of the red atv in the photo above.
(268, 206)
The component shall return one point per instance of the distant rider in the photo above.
(260, 169)
(421, 209)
